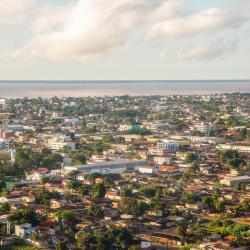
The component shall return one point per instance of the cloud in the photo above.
(51, 18)
(92, 28)
(86, 29)
(210, 50)
(165, 10)
(192, 24)
(14, 13)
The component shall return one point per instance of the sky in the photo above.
(124, 39)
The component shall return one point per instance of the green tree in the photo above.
(148, 191)
(78, 157)
(189, 197)
(134, 207)
(25, 216)
(182, 230)
(83, 190)
(98, 190)
(236, 163)
(228, 154)
(45, 179)
(60, 245)
(5, 207)
(74, 184)
(190, 157)
(220, 206)
(67, 217)
(208, 202)
(127, 192)
(95, 211)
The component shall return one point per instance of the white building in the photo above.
(168, 145)
(37, 174)
(240, 148)
(231, 181)
(60, 142)
(72, 121)
(161, 108)
(204, 127)
(24, 231)
(162, 160)
(147, 170)
(106, 167)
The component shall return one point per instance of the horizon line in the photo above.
(128, 80)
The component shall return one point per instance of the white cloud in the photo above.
(209, 50)
(85, 29)
(165, 10)
(93, 27)
(51, 18)
(188, 25)
(14, 12)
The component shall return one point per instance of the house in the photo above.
(55, 204)
(156, 213)
(162, 238)
(195, 188)
(116, 205)
(147, 170)
(24, 231)
(28, 199)
(169, 170)
(112, 195)
(196, 206)
(99, 181)
(65, 182)
(88, 182)
(81, 177)
(37, 174)
(161, 160)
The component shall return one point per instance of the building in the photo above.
(159, 108)
(6, 134)
(147, 170)
(24, 231)
(106, 167)
(231, 181)
(37, 174)
(14, 128)
(157, 127)
(168, 145)
(4, 143)
(161, 160)
(169, 170)
(204, 127)
(3, 102)
(130, 128)
(72, 121)
(240, 148)
(60, 142)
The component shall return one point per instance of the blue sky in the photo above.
(125, 39)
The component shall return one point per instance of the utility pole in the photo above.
(8, 227)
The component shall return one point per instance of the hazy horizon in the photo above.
(20, 89)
